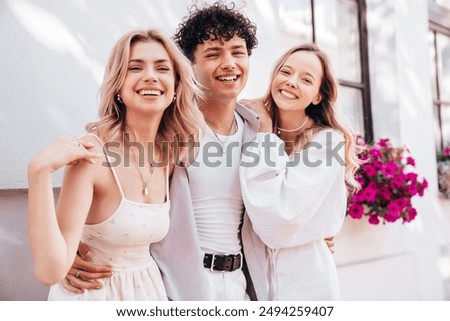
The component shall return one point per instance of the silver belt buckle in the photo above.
(213, 259)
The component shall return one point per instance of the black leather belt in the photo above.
(221, 263)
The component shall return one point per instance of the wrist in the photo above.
(39, 166)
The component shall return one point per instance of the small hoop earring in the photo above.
(119, 99)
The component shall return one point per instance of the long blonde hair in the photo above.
(181, 117)
(324, 114)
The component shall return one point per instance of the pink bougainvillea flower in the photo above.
(393, 209)
(370, 170)
(370, 192)
(385, 193)
(363, 157)
(390, 217)
(422, 187)
(389, 169)
(376, 164)
(387, 184)
(358, 197)
(356, 211)
(375, 153)
(410, 161)
(411, 214)
(401, 203)
(412, 177)
(373, 219)
(384, 142)
(399, 179)
(412, 189)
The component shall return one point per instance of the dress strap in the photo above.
(167, 183)
(105, 151)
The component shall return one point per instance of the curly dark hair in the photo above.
(214, 22)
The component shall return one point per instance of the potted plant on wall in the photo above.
(443, 167)
(388, 181)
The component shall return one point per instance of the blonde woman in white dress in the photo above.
(296, 193)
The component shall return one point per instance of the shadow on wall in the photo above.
(17, 281)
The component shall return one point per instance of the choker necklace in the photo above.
(217, 136)
(292, 130)
(144, 182)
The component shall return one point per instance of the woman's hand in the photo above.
(257, 105)
(330, 243)
(63, 151)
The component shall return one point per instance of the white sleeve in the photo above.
(293, 202)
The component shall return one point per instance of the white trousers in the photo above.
(227, 286)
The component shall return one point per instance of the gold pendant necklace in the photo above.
(151, 170)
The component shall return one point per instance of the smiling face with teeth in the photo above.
(297, 82)
(222, 68)
(150, 80)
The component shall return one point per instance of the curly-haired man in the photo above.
(202, 256)
(210, 264)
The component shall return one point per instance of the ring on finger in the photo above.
(77, 275)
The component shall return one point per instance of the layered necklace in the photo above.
(292, 130)
(222, 142)
(144, 181)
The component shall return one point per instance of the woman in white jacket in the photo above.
(296, 175)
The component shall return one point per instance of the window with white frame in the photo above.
(439, 38)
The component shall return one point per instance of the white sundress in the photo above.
(122, 241)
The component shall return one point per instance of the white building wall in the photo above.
(53, 53)
(430, 233)
(396, 261)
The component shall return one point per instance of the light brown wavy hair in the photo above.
(181, 117)
(324, 115)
